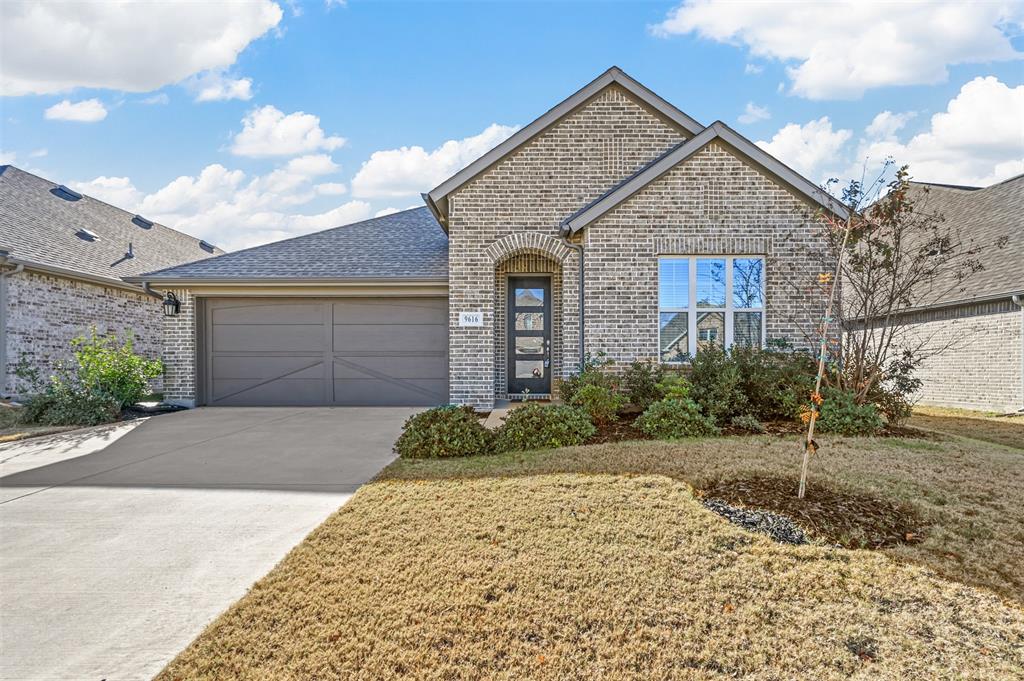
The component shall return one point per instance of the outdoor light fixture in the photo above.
(172, 306)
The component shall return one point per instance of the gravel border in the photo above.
(779, 527)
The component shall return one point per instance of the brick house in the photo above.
(614, 222)
(62, 259)
(977, 324)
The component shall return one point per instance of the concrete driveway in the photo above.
(118, 545)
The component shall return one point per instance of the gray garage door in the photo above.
(315, 351)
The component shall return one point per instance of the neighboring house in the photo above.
(62, 259)
(614, 223)
(979, 323)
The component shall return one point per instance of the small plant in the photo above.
(443, 432)
(109, 366)
(715, 381)
(63, 403)
(601, 404)
(841, 414)
(593, 373)
(748, 423)
(670, 419)
(534, 426)
(641, 381)
(674, 386)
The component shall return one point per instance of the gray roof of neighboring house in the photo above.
(984, 217)
(42, 225)
(406, 245)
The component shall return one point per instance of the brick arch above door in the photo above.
(527, 243)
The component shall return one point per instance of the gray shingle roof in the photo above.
(40, 224)
(405, 245)
(984, 217)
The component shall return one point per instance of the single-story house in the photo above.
(977, 324)
(63, 257)
(614, 222)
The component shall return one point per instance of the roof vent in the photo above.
(206, 246)
(67, 193)
(142, 222)
(86, 235)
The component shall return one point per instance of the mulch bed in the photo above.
(852, 520)
(617, 431)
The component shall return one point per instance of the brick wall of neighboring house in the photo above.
(981, 364)
(44, 313)
(532, 191)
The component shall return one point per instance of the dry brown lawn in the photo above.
(598, 562)
(1005, 430)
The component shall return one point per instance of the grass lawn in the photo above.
(599, 562)
(1007, 430)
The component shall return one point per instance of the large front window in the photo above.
(705, 301)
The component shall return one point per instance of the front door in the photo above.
(529, 335)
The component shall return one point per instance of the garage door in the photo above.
(315, 351)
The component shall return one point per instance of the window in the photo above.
(705, 301)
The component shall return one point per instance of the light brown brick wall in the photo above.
(180, 352)
(44, 313)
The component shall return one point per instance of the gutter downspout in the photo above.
(564, 233)
(150, 292)
(1018, 300)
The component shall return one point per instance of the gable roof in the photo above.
(437, 198)
(408, 245)
(716, 131)
(984, 218)
(49, 228)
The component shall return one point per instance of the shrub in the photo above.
(641, 381)
(593, 374)
(748, 423)
(63, 403)
(670, 419)
(841, 414)
(109, 366)
(533, 426)
(715, 384)
(443, 432)
(601, 404)
(775, 382)
(674, 386)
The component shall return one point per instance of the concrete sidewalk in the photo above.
(125, 543)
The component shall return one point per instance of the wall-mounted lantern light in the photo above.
(172, 305)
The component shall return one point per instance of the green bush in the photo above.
(715, 384)
(109, 366)
(748, 423)
(593, 374)
(443, 432)
(775, 382)
(670, 419)
(674, 386)
(641, 381)
(841, 414)
(66, 404)
(601, 404)
(533, 426)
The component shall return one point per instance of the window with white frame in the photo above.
(709, 300)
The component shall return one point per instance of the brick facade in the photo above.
(983, 357)
(714, 203)
(180, 339)
(44, 313)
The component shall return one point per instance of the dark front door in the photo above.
(529, 335)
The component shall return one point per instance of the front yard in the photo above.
(599, 561)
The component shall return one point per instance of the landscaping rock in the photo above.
(778, 527)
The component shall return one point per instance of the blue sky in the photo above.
(453, 78)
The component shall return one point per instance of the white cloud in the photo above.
(331, 188)
(50, 47)
(753, 69)
(158, 99)
(214, 86)
(38, 153)
(811, 149)
(386, 211)
(841, 49)
(978, 140)
(754, 113)
(232, 210)
(7, 157)
(267, 131)
(85, 111)
(410, 170)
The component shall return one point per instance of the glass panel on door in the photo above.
(529, 335)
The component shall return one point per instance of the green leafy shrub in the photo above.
(109, 366)
(641, 381)
(841, 414)
(775, 381)
(674, 386)
(593, 373)
(443, 432)
(63, 403)
(748, 423)
(670, 419)
(715, 384)
(534, 426)
(602, 404)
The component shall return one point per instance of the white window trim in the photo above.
(691, 310)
